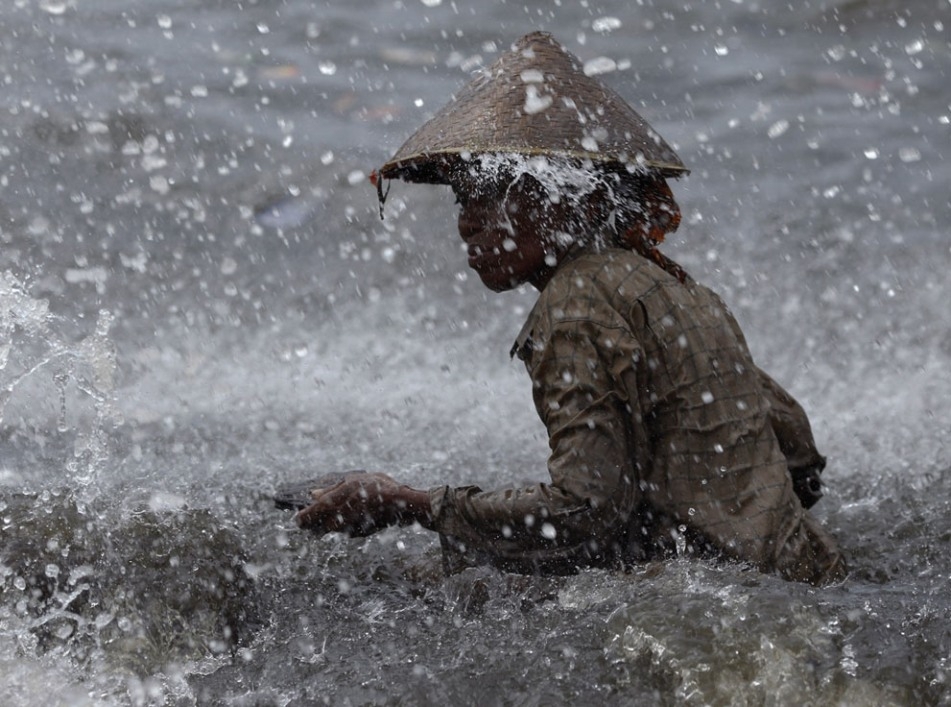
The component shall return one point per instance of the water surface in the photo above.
(199, 301)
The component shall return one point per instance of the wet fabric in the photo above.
(665, 437)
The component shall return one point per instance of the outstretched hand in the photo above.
(361, 505)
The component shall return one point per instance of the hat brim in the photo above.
(437, 167)
(535, 100)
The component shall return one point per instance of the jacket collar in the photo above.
(523, 342)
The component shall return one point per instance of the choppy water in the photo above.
(198, 302)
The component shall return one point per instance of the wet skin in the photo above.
(508, 234)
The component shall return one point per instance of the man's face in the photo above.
(508, 233)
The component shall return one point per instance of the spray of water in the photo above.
(41, 370)
(562, 181)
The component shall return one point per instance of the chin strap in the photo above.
(376, 179)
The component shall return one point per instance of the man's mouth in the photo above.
(479, 255)
(475, 254)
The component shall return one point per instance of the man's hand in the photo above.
(363, 504)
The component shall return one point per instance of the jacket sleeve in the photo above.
(791, 426)
(578, 518)
(792, 430)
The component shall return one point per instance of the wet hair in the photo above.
(634, 210)
(645, 212)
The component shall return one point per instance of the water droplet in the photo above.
(909, 154)
(535, 103)
(721, 50)
(871, 153)
(778, 128)
(327, 68)
(229, 266)
(159, 184)
(606, 24)
(914, 47)
(599, 65)
(103, 619)
(164, 21)
(53, 7)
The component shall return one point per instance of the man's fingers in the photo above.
(318, 512)
(322, 491)
(331, 510)
(352, 506)
(307, 517)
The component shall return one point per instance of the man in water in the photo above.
(665, 437)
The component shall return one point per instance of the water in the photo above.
(198, 302)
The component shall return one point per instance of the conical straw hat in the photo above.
(534, 100)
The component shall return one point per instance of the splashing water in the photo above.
(263, 339)
(34, 355)
(562, 180)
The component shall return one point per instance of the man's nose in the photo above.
(472, 220)
(467, 227)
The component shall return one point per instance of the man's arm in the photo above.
(581, 516)
(791, 427)
(577, 519)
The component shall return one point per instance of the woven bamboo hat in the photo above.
(535, 100)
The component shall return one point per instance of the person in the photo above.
(665, 436)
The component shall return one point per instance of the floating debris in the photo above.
(283, 72)
(407, 56)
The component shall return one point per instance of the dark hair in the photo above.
(644, 213)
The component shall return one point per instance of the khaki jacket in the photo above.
(665, 437)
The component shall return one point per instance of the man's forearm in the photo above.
(413, 506)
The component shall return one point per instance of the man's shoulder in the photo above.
(607, 273)
(615, 280)
(597, 286)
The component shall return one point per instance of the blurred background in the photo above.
(199, 302)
